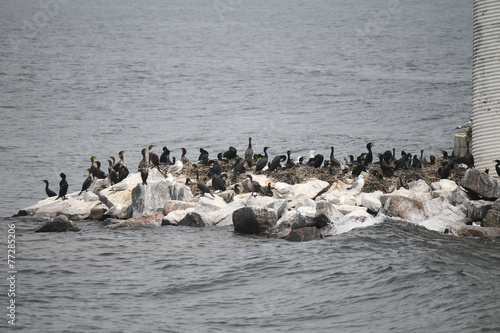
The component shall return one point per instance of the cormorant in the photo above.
(216, 167)
(121, 167)
(184, 159)
(144, 175)
(203, 158)
(333, 161)
(262, 162)
(202, 187)
(238, 167)
(369, 156)
(387, 171)
(63, 187)
(254, 185)
(289, 162)
(416, 163)
(276, 163)
(249, 153)
(113, 175)
(93, 167)
(86, 184)
(358, 168)
(445, 170)
(143, 163)
(402, 163)
(154, 160)
(230, 154)
(219, 182)
(318, 160)
(267, 191)
(49, 192)
(165, 156)
(236, 188)
(98, 173)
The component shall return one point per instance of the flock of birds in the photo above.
(231, 162)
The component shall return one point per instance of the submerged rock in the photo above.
(59, 224)
(304, 234)
(473, 231)
(192, 219)
(152, 220)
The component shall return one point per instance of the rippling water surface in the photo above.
(83, 78)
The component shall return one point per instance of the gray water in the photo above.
(83, 78)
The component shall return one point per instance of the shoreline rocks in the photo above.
(298, 212)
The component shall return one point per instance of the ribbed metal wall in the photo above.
(486, 84)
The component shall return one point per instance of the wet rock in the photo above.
(325, 214)
(304, 217)
(481, 183)
(97, 212)
(75, 207)
(446, 221)
(473, 231)
(406, 208)
(192, 219)
(254, 220)
(59, 224)
(304, 234)
(151, 220)
(371, 201)
(173, 205)
(492, 219)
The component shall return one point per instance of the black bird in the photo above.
(154, 160)
(63, 187)
(249, 153)
(236, 188)
(402, 163)
(238, 167)
(112, 174)
(49, 192)
(121, 167)
(86, 184)
(276, 163)
(369, 156)
(203, 158)
(98, 173)
(202, 187)
(184, 159)
(144, 175)
(165, 156)
(289, 162)
(358, 168)
(416, 163)
(216, 167)
(262, 162)
(267, 191)
(318, 160)
(219, 182)
(497, 167)
(143, 163)
(230, 153)
(333, 161)
(254, 185)
(445, 170)
(387, 171)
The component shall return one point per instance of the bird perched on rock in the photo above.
(358, 183)
(154, 160)
(261, 164)
(219, 182)
(230, 153)
(267, 191)
(143, 163)
(165, 156)
(63, 187)
(49, 192)
(144, 175)
(86, 184)
(253, 185)
(201, 186)
(333, 161)
(203, 158)
(387, 171)
(369, 155)
(276, 163)
(249, 153)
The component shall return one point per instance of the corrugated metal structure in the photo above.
(486, 84)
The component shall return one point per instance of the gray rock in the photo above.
(311, 189)
(419, 186)
(371, 201)
(207, 203)
(179, 191)
(254, 220)
(152, 220)
(406, 208)
(173, 218)
(59, 224)
(472, 231)
(123, 197)
(278, 205)
(304, 217)
(325, 214)
(75, 207)
(97, 212)
(192, 219)
(492, 219)
(223, 216)
(151, 197)
(173, 205)
(304, 234)
(481, 183)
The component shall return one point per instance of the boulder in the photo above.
(286, 220)
(481, 183)
(446, 221)
(311, 189)
(304, 234)
(151, 220)
(371, 201)
(173, 205)
(473, 231)
(278, 205)
(356, 219)
(97, 212)
(445, 194)
(122, 197)
(173, 218)
(58, 224)
(151, 197)
(223, 216)
(227, 195)
(207, 203)
(492, 219)
(75, 207)
(304, 217)
(98, 185)
(419, 186)
(444, 185)
(192, 219)
(254, 220)
(406, 208)
(325, 214)
(180, 191)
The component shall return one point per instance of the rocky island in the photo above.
(295, 201)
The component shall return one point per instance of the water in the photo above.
(83, 78)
